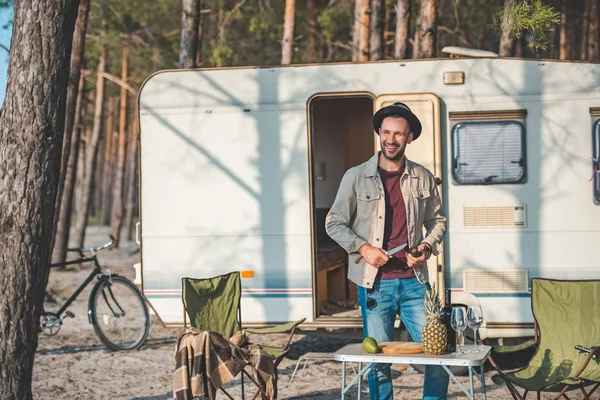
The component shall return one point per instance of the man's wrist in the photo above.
(361, 248)
(428, 249)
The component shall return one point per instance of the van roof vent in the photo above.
(456, 51)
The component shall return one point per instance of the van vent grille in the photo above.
(502, 216)
(497, 281)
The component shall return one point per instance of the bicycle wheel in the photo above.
(119, 313)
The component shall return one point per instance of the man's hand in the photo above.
(413, 261)
(373, 255)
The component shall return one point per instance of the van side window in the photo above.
(488, 152)
(596, 160)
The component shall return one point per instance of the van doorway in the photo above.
(341, 137)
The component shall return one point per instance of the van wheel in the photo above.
(456, 370)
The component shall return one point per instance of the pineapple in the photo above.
(433, 335)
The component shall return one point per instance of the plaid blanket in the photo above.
(204, 361)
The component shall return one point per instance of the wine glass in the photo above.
(474, 320)
(459, 324)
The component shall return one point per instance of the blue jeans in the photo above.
(404, 297)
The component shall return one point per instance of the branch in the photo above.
(5, 48)
(227, 18)
(119, 82)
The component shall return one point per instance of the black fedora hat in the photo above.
(398, 110)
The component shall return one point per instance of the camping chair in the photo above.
(566, 315)
(213, 304)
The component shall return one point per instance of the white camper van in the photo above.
(240, 166)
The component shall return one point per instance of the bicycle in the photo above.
(116, 307)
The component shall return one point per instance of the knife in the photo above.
(396, 249)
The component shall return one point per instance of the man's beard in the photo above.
(396, 157)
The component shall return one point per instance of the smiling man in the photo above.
(381, 205)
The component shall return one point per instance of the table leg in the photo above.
(359, 380)
(455, 379)
(482, 382)
(343, 378)
(471, 381)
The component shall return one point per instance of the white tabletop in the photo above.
(354, 352)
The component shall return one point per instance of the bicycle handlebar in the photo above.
(94, 249)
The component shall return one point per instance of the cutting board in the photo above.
(400, 347)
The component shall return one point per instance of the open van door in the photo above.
(427, 151)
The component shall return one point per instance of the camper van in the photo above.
(240, 166)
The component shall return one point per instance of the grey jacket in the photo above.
(357, 215)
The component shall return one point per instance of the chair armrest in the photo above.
(277, 328)
(592, 353)
(513, 349)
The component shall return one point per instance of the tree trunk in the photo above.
(518, 45)
(402, 29)
(356, 30)
(593, 45)
(199, 43)
(118, 198)
(377, 22)
(506, 41)
(65, 211)
(131, 176)
(567, 31)
(80, 170)
(388, 49)
(415, 44)
(311, 40)
(31, 135)
(189, 33)
(585, 30)
(91, 154)
(288, 32)
(364, 22)
(64, 198)
(109, 163)
(428, 21)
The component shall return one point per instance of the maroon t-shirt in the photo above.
(396, 230)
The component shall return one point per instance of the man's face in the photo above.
(394, 135)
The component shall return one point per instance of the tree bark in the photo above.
(64, 198)
(91, 154)
(402, 29)
(118, 197)
(428, 21)
(377, 22)
(506, 41)
(131, 186)
(388, 35)
(31, 135)
(200, 33)
(109, 165)
(288, 32)
(80, 170)
(356, 30)
(567, 36)
(65, 211)
(585, 30)
(364, 30)
(311, 40)
(593, 45)
(189, 33)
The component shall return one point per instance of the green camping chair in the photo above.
(213, 304)
(567, 314)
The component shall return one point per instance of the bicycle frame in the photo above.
(97, 270)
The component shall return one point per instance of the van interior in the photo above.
(341, 137)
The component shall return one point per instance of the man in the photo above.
(380, 205)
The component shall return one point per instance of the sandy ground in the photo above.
(74, 364)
